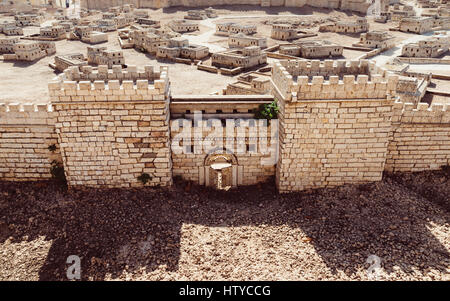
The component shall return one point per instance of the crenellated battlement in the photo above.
(25, 107)
(123, 115)
(29, 114)
(303, 80)
(405, 112)
(102, 72)
(329, 67)
(88, 85)
(338, 122)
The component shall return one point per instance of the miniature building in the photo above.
(28, 20)
(201, 14)
(441, 23)
(147, 41)
(105, 25)
(5, 24)
(112, 12)
(416, 24)
(30, 51)
(139, 13)
(245, 58)
(179, 47)
(375, 39)
(12, 31)
(68, 26)
(146, 21)
(150, 39)
(283, 32)
(382, 18)
(360, 25)
(87, 35)
(428, 48)
(109, 15)
(55, 32)
(123, 21)
(96, 37)
(195, 15)
(210, 12)
(241, 40)
(183, 26)
(48, 47)
(397, 13)
(127, 8)
(98, 55)
(230, 28)
(83, 32)
(312, 49)
(250, 84)
(7, 44)
(62, 62)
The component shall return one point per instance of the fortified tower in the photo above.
(334, 122)
(113, 125)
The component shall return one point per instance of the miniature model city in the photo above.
(106, 91)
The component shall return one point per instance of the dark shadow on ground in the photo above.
(23, 64)
(116, 230)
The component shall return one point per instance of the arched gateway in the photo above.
(220, 169)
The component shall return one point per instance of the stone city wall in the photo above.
(27, 137)
(420, 137)
(354, 5)
(190, 150)
(339, 123)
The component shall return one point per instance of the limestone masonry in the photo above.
(298, 114)
(339, 122)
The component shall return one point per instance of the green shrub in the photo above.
(267, 111)
(57, 172)
(144, 178)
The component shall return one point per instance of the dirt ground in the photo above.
(251, 233)
(27, 82)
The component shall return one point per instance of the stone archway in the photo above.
(220, 170)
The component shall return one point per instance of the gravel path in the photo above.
(190, 233)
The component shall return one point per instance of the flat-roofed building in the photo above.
(183, 26)
(375, 39)
(100, 55)
(416, 24)
(179, 47)
(358, 26)
(241, 40)
(312, 49)
(245, 58)
(231, 28)
(428, 48)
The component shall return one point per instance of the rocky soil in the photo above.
(253, 233)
